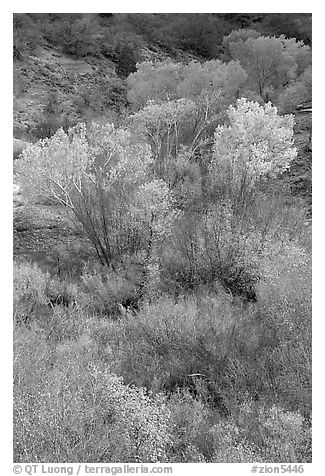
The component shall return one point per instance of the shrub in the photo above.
(285, 300)
(230, 446)
(106, 293)
(35, 292)
(55, 115)
(276, 434)
(76, 34)
(295, 94)
(169, 342)
(192, 421)
(126, 60)
(199, 33)
(30, 285)
(26, 35)
(213, 248)
(77, 410)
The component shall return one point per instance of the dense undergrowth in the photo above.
(184, 333)
(202, 378)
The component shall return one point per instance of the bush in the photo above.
(126, 60)
(106, 294)
(192, 422)
(276, 434)
(30, 285)
(209, 249)
(295, 94)
(26, 35)
(76, 34)
(168, 342)
(71, 409)
(35, 292)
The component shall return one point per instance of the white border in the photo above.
(318, 198)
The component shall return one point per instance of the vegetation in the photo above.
(186, 336)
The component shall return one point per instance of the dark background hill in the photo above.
(69, 67)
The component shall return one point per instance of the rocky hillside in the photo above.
(52, 84)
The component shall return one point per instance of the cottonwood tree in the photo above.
(257, 144)
(236, 36)
(208, 88)
(226, 242)
(97, 175)
(169, 128)
(154, 207)
(271, 63)
(180, 129)
(164, 125)
(153, 81)
(165, 80)
(296, 93)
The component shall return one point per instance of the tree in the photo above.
(180, 129)
(153, 81)
(212, 80)
(257, 143)
(228, 239)
(98, 176)
(296, 93)
(169, 128)
(164, 126)
(212, 77)
(237, 36)
(212, 85)
(271, 63)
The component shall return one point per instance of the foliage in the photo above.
(237, 36)
(198, 33)
(72, 409)
(271, 63)
(52, 118)
(179, 128)
(190, 339)
(26, 35)
(257, 143)
(75, 33)
(154, 81)
(292, 25)
(212, 78)
(296, 93)
(29, 291)
(209, 82)
(35, 291)
(102, 180)
(105, 294)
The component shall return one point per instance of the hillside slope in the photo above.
(56, 83)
